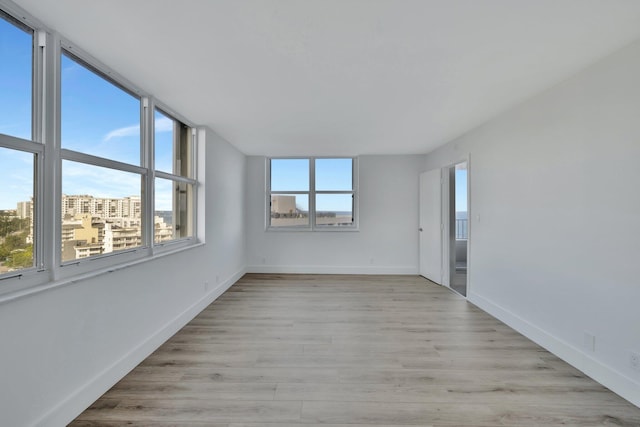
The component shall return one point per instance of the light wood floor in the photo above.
(349, 351)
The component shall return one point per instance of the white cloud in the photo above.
(164, 124)
(124, 131)
(78, 178)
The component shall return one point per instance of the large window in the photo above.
(312, 193)
(102, 179)
(96, 172)
(20, 153)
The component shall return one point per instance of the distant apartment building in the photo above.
(117, 238)
(283, 205)
(82, 236)
(94, 226)
(24, 210)
(161, 230)
(126, 207)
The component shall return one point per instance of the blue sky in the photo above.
(98, 118)
(15, 80)
(15, 112)
(461, 190)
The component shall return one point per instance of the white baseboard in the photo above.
(331, 269)
(78, 401)
(605, 375)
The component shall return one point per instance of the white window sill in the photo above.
(312, 230)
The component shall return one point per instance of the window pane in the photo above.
(462, 221)
(183, 196)
(16, 210)
(163, 211)
(172, 145)
(334, 209)
(289, 210)
(289, 174)
(101, 210)
(334, 174)
(163, 142)
(98, 117)
(16, 77)
(173, 216)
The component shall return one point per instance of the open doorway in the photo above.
(458, 227)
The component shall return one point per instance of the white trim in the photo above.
(605, 375)
(333, 269)
(72, 405)
(469, 225)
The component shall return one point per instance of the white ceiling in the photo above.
(343, 77)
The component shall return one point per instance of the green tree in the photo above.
(20, 258)
(4, 252)
(15, 241)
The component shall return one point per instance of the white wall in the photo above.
(62, 348)
(555, 230)
(387, 240)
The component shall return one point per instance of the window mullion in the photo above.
(312, 192)
(51, 200)
(335, 192)
(290, 192)
(172, 177)
(19, 144)
(40, 110)
(147, 162)
(194, 175)
(88, 159)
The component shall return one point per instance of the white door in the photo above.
(430, 226)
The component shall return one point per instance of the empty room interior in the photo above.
(319, 212)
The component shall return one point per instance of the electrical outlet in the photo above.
(634, 360)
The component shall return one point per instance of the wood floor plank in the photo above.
(320, 425)
(150, 411)
(486, 394)
(352, 351)
(461, 413)
(192, 390)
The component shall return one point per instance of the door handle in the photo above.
(420, 229)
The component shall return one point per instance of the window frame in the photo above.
(16, 280)
(312, 192)
(174, 177)
(46, 145)
(73, 267)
